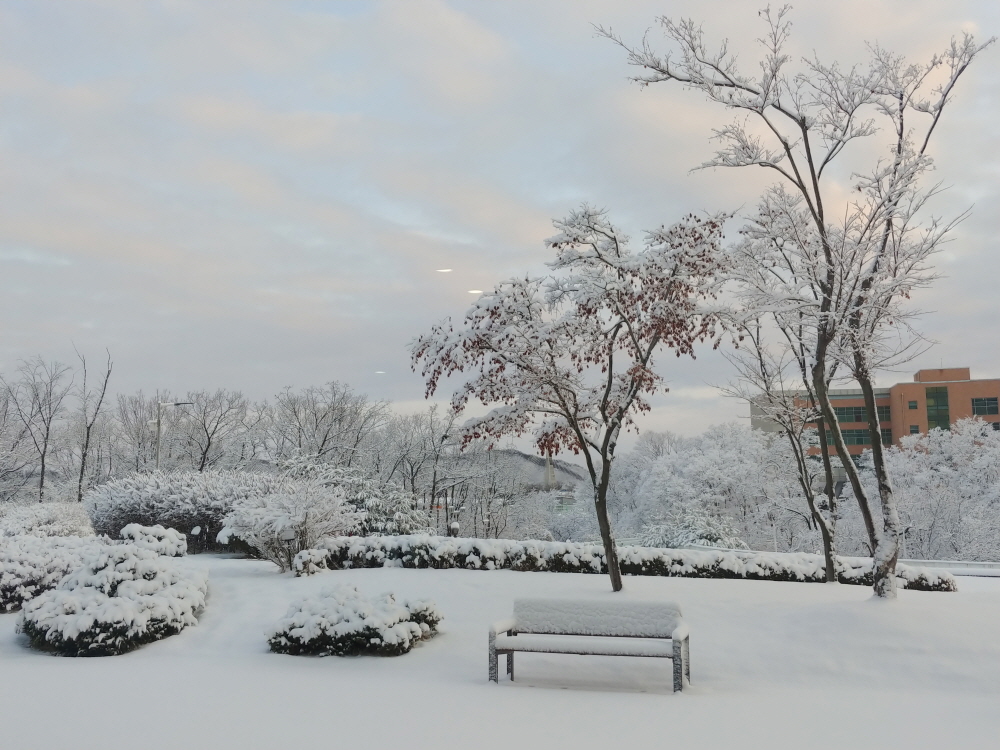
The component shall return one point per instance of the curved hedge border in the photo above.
(425, 551)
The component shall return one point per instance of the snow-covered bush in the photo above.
(182, 500)
(166, 542)
(385, 508)
(45, 519)
(119, 598)
(30, 565)
(691, 526)
(309, 508)
(423, 551)
(341, 622)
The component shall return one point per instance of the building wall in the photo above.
(960, 395)
(956, 382)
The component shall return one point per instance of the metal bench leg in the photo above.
(678, 665)
(687, 659)
(494, 671)
(510, 665)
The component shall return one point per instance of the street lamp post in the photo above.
(288, 536)
(158, 421)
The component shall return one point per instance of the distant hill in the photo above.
(533, 471)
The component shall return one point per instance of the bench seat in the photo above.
(584, 644)
(599, 627)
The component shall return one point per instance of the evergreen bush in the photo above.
(120, 598)
(342, 622)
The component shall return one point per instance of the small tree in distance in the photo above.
(571, 354)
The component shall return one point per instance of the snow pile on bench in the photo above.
(166, 542)
(120, 598)
(30, 565)
(635, 619)
(342, 622)
(425, 551)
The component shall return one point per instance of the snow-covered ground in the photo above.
(774, 665)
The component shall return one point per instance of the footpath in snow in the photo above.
(774, 665)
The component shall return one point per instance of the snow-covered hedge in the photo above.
(184, 500)
(45, 519)
(423, 551)
(342, 622)
(166, 542)
(120, 598)
(30, 565)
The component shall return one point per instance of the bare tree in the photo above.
(91, 402)
(135, 441)
(869, 251)
(330, 422)
(572, 354)
(772, 384)
(210, 423)
(38, 400)
(15, 447)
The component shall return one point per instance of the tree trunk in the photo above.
(886, 551)
(828, 524)
(41, 478)
(826, 408)
(826, 527)
(607, 538)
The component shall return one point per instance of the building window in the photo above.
(996, 426)
(937, 408)
(914, 429)
(913, 404)
(860, 413)
(886, 435)
(984, 406)
(851, 413)
(851, 437)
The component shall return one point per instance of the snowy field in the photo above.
(774, 665)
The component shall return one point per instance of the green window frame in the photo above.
(851, 413)
(985, 406)
(886, 435)
(911, 404)
(938, 414)
(851, 437)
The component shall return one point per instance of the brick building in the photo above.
(935, 398)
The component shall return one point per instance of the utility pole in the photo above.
(158, 422)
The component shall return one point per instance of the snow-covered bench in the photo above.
(598, 627)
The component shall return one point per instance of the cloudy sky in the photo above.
(254, 195)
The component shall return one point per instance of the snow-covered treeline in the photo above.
(47, 414)
(735, 487)
(947, 484)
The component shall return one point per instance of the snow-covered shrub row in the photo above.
(119, 598)
(166, 542)
(423, 551)
(45, 519)
(342, 622)
(309, 509)
(30, 565)
(183, 500)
